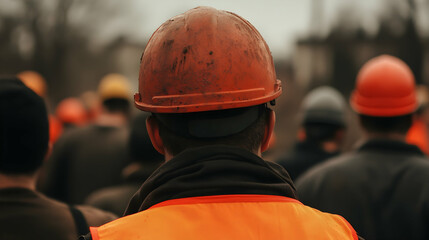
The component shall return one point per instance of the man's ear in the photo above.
(269, 129)
(152, 127)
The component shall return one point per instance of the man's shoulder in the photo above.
(336, 169)
(417, 167)
(342, 162)
(95, 216)
(73, 135)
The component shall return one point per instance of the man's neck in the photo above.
(330, 146)
(389, 136)
(168, 156)
(111, 119)
(18, 181)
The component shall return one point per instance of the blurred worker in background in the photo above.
(37, 83)
(92, 157)
(71, 113)
(91, 103)
(24, 212)
(383, 187)
(144, 160)
(322, 131)
(207, 77)
(418, 133)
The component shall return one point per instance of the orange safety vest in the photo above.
(418, 136)
(227, 217)
(55, 129)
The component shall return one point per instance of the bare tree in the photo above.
(43, 35)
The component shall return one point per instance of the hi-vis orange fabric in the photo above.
(204, 60)
(418, 135)
(228, 217)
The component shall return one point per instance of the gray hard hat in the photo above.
(324, 105)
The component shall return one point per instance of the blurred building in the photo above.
(334, 60)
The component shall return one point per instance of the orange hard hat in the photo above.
(34, 81)
(91, 103)
(385, 87)
(204, 60)
(72, 111)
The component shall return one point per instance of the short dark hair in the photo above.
(24, 128)
(115, 105)
(321, 132)
(397, 124)
(250, 138)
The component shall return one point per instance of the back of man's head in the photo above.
(324, 114)
(242, 128)
(24, 128)
(385, 95)
(114, 92)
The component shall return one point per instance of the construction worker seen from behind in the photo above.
(208, 78)
(382, 187)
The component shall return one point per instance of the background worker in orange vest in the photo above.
(25, 213)
(207, 77)
(418, 133)
(383, 187)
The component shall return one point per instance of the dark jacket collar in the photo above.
(379, 144)
(313, 148)
(214, 170)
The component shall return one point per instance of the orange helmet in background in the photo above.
(34, 81)
(204, 60)
(71, 111)
(385, 87)
(91, 103)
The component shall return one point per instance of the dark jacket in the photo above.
(115, 199)
(84, 160)
(26, 214)
(382, 189)
(303, 156)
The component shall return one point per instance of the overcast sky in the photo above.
(280, 22)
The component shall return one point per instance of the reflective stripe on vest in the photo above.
(228, 217)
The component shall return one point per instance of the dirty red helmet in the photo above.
(55, 129)
(385, 87)
(204, 60)
(71, 111)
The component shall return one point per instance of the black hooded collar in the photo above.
(213, 170)
(380, 144)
